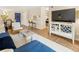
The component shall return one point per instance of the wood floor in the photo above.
(63, 41)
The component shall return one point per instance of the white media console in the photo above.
(65, 29)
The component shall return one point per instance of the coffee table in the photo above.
(27, 34)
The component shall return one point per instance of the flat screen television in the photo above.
(66, 15)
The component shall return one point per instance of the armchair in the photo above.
(16, 27)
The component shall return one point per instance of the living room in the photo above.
(33, 19)
(17, 19)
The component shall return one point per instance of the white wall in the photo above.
(63, 7)
(43, 17)
(33, 11)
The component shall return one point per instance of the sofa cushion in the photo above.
(6, 41)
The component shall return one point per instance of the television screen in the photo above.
(67, 15)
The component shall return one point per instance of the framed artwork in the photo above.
(18, 17)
